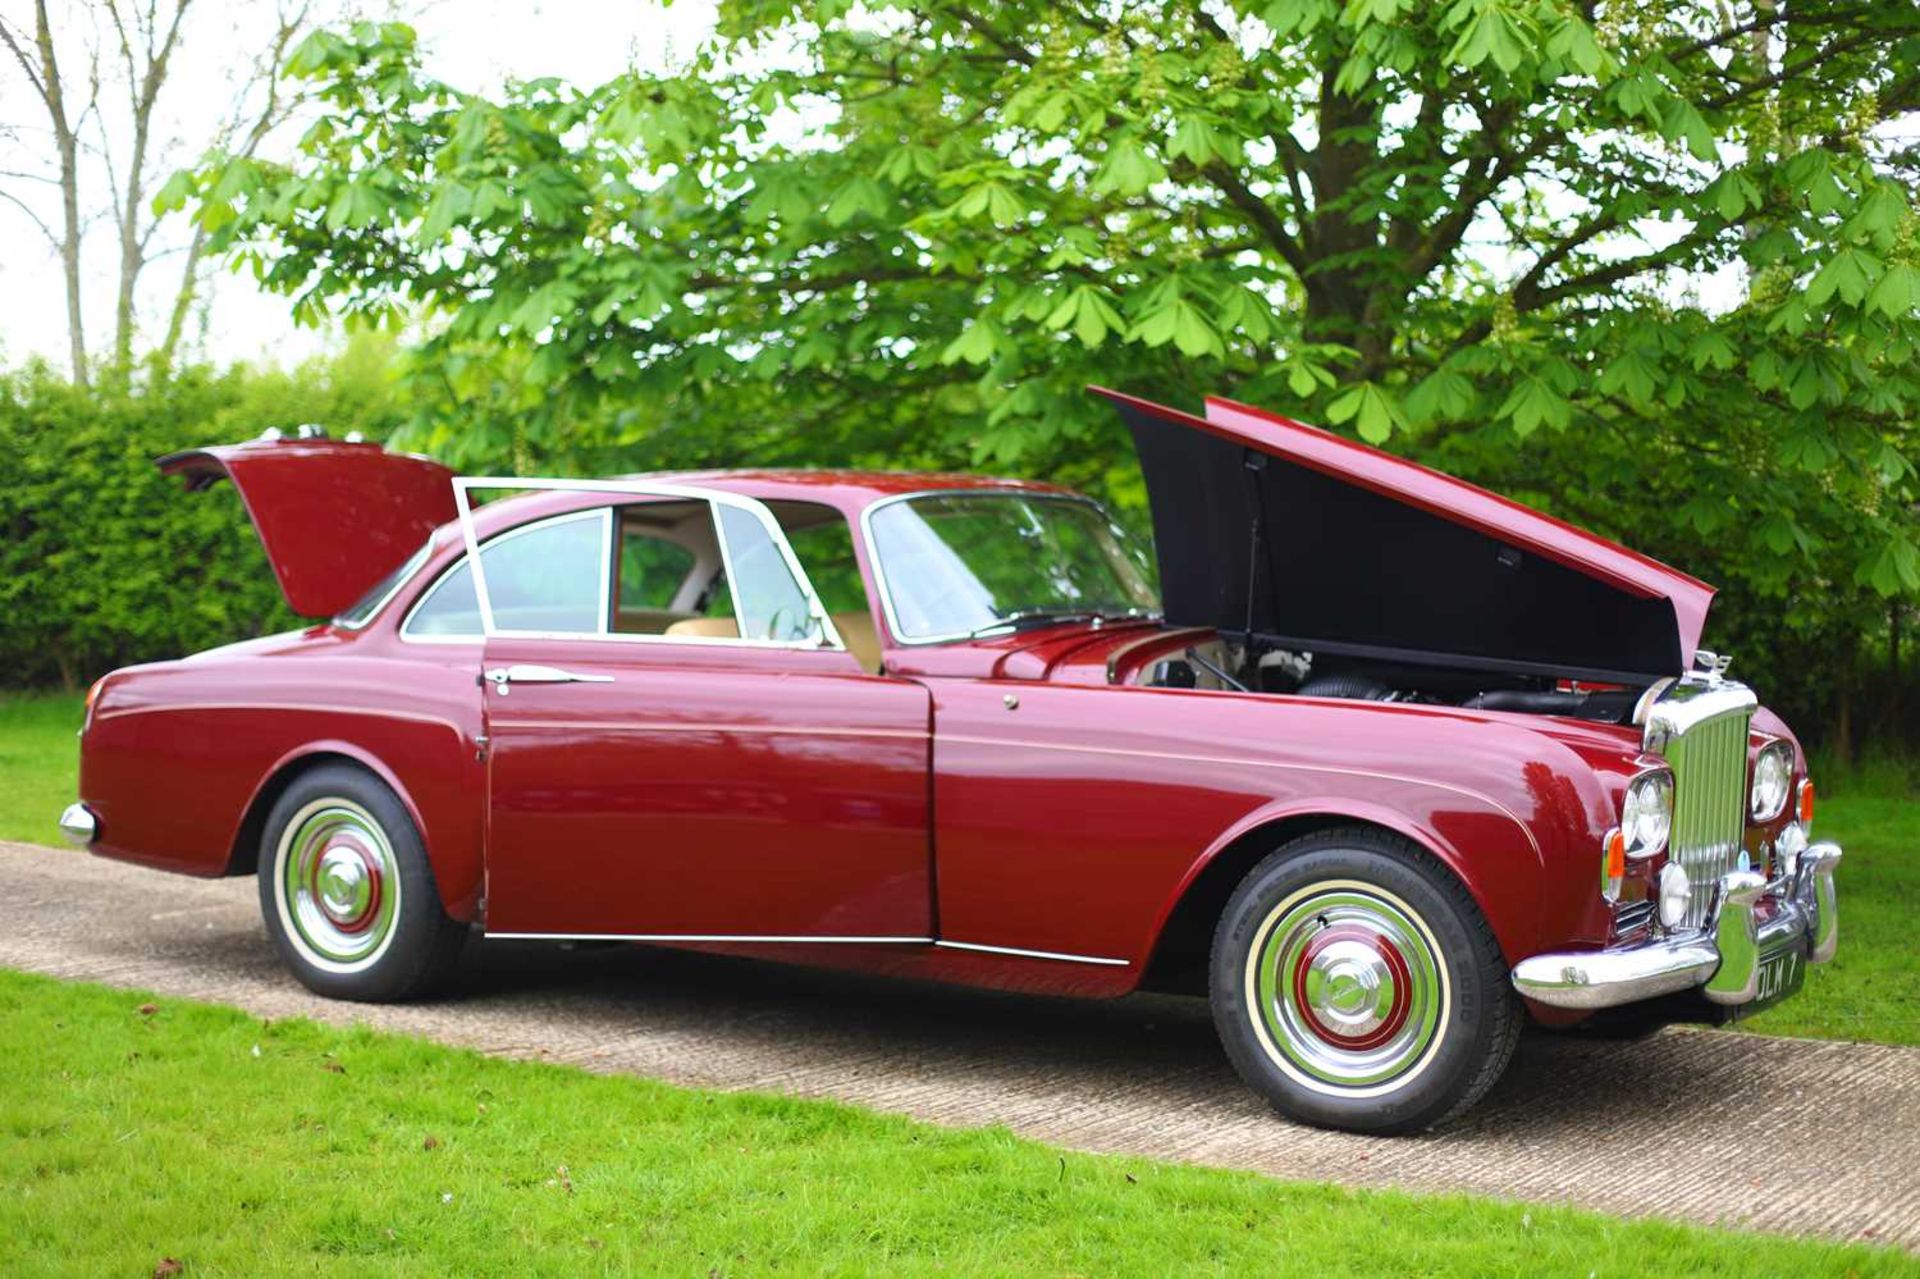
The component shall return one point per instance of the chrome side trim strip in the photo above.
(758, 939)
(761, 730)
(1029, 954)
(312, 708)
(713, 937)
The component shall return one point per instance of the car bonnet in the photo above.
(1311, 541)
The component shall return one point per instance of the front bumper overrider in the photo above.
(1753, 921)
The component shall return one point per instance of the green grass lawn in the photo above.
(39, 757)
(135, 1130)
(1871, 990)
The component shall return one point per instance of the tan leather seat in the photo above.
(709, 627)
(856, 631)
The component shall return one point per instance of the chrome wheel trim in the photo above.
(336, 886)
(1346, 989)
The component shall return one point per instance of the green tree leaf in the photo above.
(1534, 403)
(975, 345)
(1893, 568)
(1128, 169)
(1897, 295)
(175, 192)
(1374, 411)
(1850, 273)
(858, 197)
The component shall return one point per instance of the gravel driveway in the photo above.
(1774, 1134)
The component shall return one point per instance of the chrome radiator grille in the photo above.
(1709, 761)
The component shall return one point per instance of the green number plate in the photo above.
(1781, 975)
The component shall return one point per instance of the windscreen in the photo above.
(961, 564)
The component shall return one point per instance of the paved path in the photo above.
(1774, 1134)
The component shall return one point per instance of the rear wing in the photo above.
(335, 516)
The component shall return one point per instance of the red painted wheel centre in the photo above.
(1352, 987)
(347, 882)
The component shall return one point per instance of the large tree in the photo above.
(1653, 266)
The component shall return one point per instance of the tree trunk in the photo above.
(1895, 676)
(1842, 745)
(143, 91)
(182, 303)
(132, 253)
(66, 146)
(1338, 290)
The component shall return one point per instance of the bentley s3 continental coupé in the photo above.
(1383, 764)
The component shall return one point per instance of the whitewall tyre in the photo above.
(347, 892)
(1355, 985)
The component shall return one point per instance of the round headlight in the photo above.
(1676, 894)
(1646, 817)
(1772, 774)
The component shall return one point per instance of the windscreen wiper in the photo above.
(1029, 617)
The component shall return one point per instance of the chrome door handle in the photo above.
(504, 677)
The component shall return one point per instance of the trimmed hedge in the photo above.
(104, 561)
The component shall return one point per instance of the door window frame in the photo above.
(830, 640)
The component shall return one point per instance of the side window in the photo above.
(825, 552)
(661, 547)
(677, 567)
(651, 569)
(448, 608)
(770, 603)
(549, 576)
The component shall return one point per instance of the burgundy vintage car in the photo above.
(1383, 764)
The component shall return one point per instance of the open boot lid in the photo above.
(335, 516)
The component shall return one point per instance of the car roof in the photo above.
(851, 491)
(850, 487)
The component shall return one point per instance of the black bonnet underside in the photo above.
(1330, 566)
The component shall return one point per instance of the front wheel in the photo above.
(347, 892)
(1355, 985)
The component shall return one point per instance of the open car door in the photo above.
(335, 516)
(679, 746)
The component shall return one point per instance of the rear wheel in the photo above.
(347, 892)
(1355, 985)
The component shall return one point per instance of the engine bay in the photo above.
(1256, 667)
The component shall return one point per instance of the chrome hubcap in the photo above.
(346, 882)
(337, 885)
(1347, 989)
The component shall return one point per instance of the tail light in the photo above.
(93, 695)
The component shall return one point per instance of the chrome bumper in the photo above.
(1724, 962)
(78, 824)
